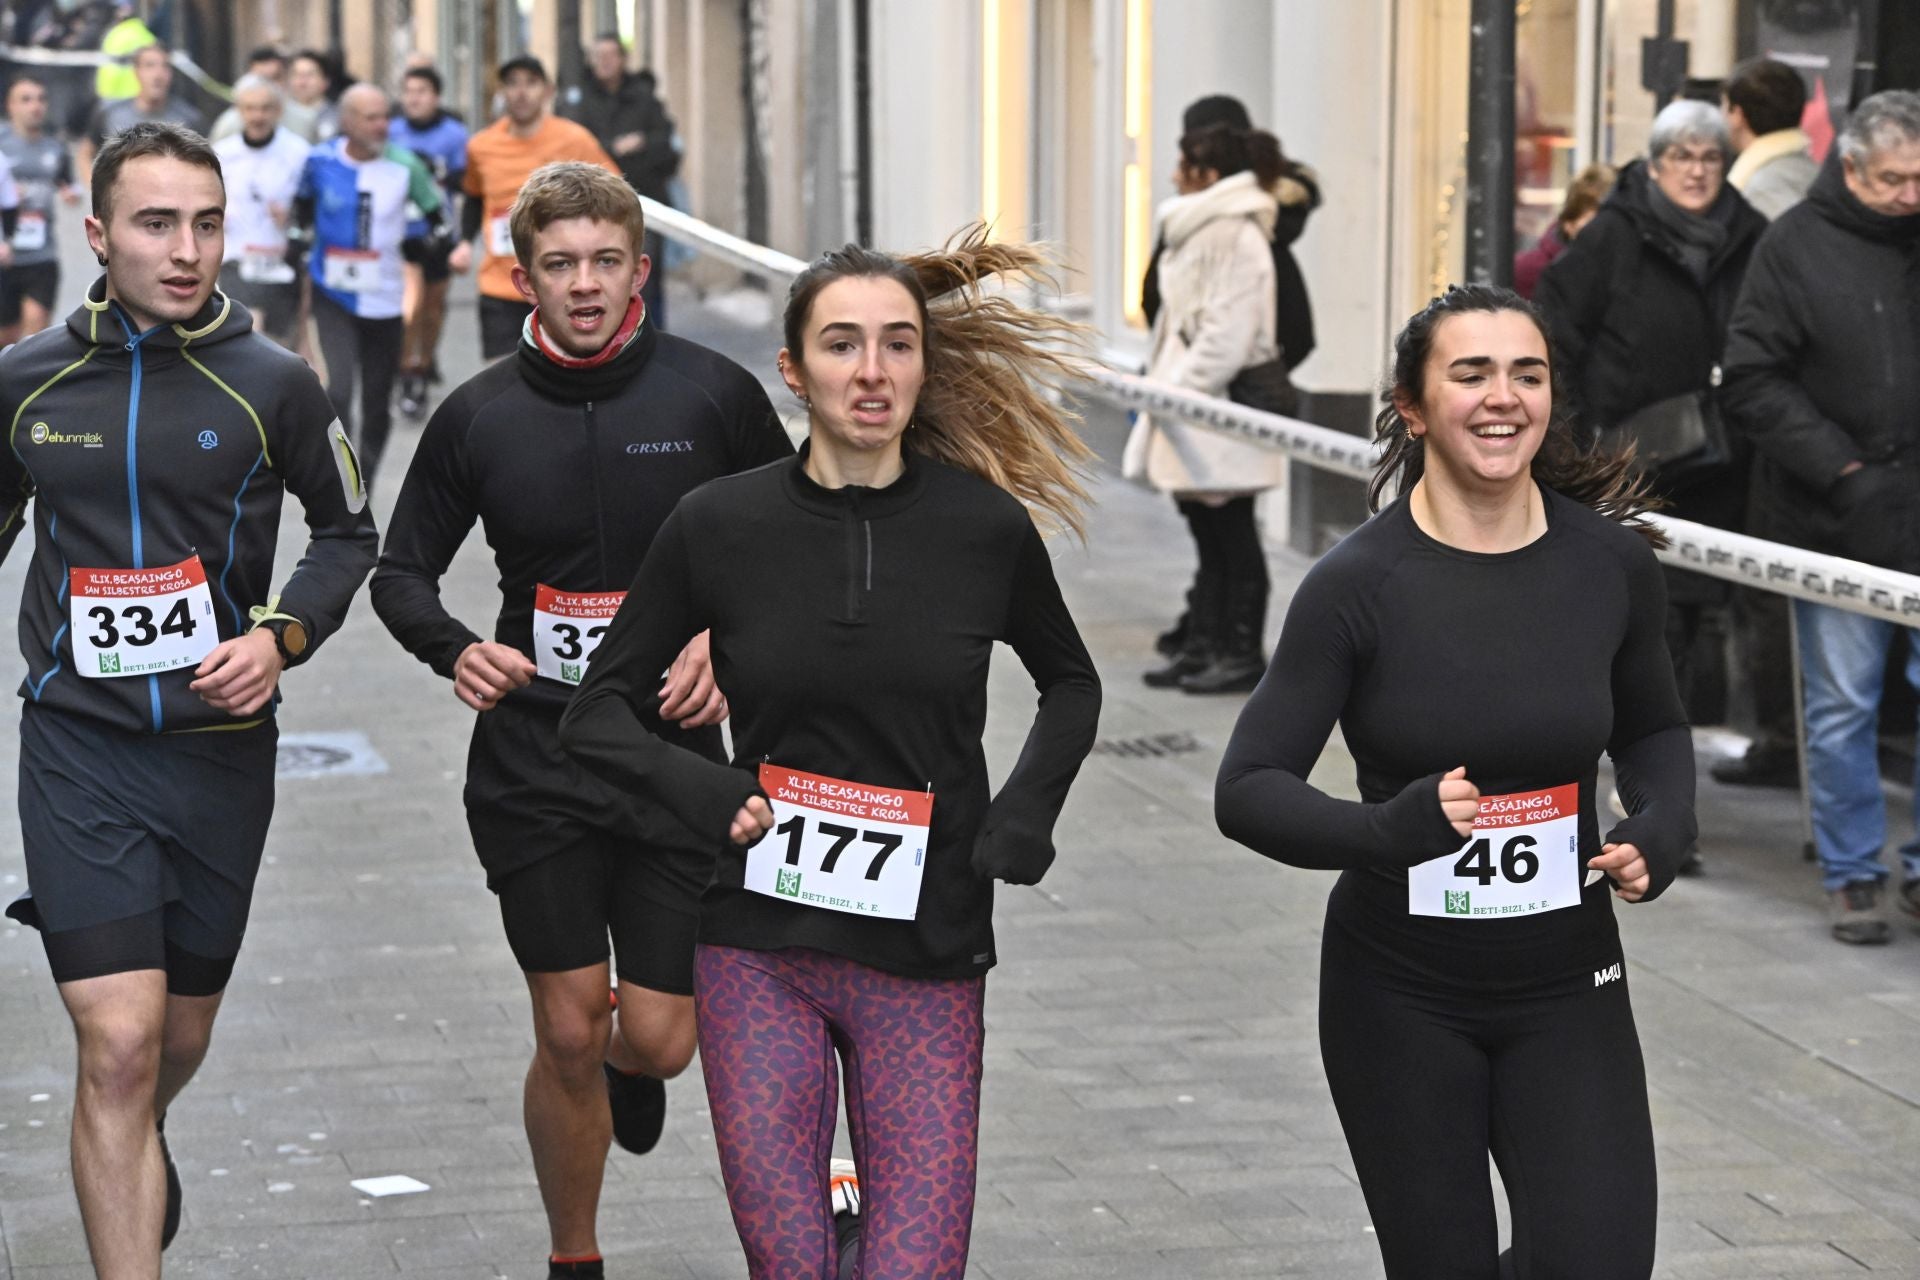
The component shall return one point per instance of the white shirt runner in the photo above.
(1522, 858)
(841, 846)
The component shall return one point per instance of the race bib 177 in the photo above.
(1522, 858)
(841, 846)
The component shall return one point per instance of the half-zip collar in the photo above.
(873, 504)
(855, 507)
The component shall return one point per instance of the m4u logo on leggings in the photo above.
(1601, 977)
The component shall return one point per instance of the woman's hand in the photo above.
(1624, 864)
(1459, 801)
(754, 820)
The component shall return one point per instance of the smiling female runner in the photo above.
(853, 597)
(1480, 642)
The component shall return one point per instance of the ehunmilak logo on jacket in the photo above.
(41, 433)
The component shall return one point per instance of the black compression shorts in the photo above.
(574, 861)
(435, 264)
(39, 281)
(141, 849)
(500, 323)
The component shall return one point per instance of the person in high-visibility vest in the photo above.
(115, 78)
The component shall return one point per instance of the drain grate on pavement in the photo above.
(1149, 745)
(326, 755)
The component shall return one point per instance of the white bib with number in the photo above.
(500, 235)
(350, 270)
(1522, 858)
(135, 622)
(567, 626)
(260, 264)
(30, 232)
(841, 846)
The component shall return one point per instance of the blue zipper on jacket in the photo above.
(133, 476)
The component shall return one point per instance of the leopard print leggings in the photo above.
(770, 1023)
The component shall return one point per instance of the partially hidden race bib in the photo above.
(500, 234)
(567, 626)
(841, 846)
(135, 622)
(30, 232)
(263, 264)
(350, 270)
(1522, 858)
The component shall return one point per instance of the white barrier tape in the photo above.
(34, 56)
(1734, 557)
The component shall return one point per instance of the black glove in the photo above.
(1011, 850)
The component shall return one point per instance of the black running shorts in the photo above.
(129, 830)
(501, 321)
(39, 281)
(575, 862)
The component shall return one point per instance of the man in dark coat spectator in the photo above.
(622, 111)
(1639, 305)
(1820, 375)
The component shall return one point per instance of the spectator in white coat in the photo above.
(1216, 319)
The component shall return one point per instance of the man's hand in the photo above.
(486, 672)
(628, 143)
(1459, 801)
(240, 674)
(689, 694)
(461, 259)
(6, 254)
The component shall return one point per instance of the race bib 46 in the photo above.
(135, 622)
(841, 846)
(1522, 858)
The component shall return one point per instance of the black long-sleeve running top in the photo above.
(851, 631)
(570, 472)
(1522, 666)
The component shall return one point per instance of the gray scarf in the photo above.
(1696, 236)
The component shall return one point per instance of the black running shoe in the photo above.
(169, 1225)
(576, 1269)
(639, 1104)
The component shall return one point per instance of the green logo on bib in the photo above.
(1458, 902)
(788, 883)
(109, 664)
(570, 672)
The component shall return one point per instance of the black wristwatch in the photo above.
(289, 636)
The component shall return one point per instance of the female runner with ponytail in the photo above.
(854, 595)
(1480, 642)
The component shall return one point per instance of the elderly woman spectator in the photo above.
(1584, 194)
(1639, 306)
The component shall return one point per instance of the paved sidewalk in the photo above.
(1154, 1101)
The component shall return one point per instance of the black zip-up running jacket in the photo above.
(139, 450)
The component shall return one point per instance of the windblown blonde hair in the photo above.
(996, 371)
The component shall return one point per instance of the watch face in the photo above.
(293, 637)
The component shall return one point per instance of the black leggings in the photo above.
(1426, 1085)
(1227, 538)
(365, 354)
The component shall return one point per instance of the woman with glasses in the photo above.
(1639, 306)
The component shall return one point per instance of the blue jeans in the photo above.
(1843, 664)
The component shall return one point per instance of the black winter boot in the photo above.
(1238, 662)
(1203, 623)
